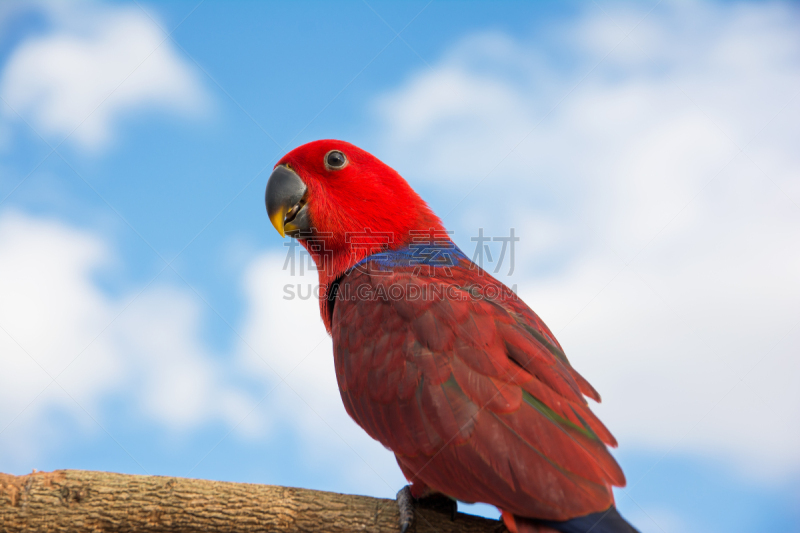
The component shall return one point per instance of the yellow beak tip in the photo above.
(277, 221)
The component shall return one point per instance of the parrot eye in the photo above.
(335, 160)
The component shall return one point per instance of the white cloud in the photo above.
(97, 65)
(629, 156)
(57, 323)
(147, 349)
(179, 383)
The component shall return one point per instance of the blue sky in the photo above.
(644, 153)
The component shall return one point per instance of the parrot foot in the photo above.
(406, 503)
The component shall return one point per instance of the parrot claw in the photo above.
(406, 503)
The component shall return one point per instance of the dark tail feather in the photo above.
(608, 521)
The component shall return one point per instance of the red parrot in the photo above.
(437, 360)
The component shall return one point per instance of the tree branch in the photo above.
(83, 501)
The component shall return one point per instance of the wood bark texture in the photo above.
(82, 501)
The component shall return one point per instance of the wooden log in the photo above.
(82, 501)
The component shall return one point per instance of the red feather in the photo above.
(469, 430)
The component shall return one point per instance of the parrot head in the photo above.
(334, 195)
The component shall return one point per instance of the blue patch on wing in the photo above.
(440, 254)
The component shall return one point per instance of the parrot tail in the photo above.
(608, 521)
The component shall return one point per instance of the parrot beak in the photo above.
(287, 205)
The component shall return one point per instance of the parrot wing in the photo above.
(474, 395)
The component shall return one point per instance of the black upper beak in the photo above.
(286, 201)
